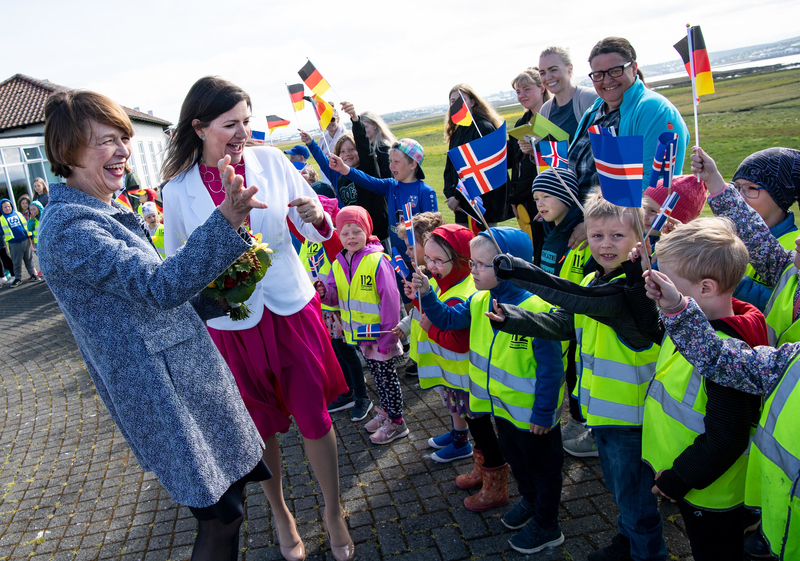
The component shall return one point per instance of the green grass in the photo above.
(745, 115)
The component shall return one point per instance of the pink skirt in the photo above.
(285, 366)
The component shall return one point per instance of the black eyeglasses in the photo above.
(614, 72)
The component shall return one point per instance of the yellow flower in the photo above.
(213, 284)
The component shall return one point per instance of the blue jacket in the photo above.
(147, 351)
(646, 113)
(549, 366)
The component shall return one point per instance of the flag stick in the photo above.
(486, 225)
(639, 231)
(464, 101)
(695, 99)
(671, 173)
(535, 157)
(568, 190)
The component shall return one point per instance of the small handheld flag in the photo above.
(607, 131)
(664, 213)
(400, 266)
(323, 110)
(275, 122)
(409, 224)
(368, 331)
(554, 153)
(258, 137)
(296, 93)
(481, 164)
(314, 271)
(664, 159)
(692, 49)
(459, 112)
(313, 79)
(619, 167)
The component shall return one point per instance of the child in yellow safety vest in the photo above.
(519, 381)
(363, 287)
(696, 432)
(152, 219)
(614, 324)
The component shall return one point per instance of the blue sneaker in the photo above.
(518, 516)
(533, 539)
(443, 440)
(450, 453)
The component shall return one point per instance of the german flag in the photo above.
(275, 122)
(296, 92)
(313, 79)
(123, 200)
(459, 113)
(323, 110)
(704, 81)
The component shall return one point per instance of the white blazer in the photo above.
(285, 289)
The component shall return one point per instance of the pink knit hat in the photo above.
(692, 196)
(354, 214)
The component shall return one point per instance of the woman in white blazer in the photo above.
(281, 356)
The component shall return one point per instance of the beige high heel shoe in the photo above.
(296, 552)
(341, 553)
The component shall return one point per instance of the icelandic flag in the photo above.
(481, 164)
(663, 161)
(400, 266)
(368, 331)
(314, 262)
(259, 137)
(606, 131)
(475, 201)
(619, 167)
(554, 153)
(665, 212)
(409, 224)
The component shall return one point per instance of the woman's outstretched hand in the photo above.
(238, 201)
(497, 315)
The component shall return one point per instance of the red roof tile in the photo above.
(22, 100)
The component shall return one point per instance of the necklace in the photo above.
(211, 177)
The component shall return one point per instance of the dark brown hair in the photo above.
(207, 99)
(617, 45)
(66, 121)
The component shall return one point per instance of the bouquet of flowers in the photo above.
(238, 282)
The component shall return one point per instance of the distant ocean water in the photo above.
(791, 59)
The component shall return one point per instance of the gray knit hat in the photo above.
(775, 169)
(547, 182)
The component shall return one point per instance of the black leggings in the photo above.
(713, 535)
(486, 440)
(351, 367)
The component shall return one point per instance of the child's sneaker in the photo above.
(572, 430)
(518, 516)
(450, 453)
(377, 421)
(533, 539)
(585, 446)
(343, 402)
(361, 408)
(443, 440)
(389, 432)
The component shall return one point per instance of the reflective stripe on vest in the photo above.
(359, 302)
(781, 326)
(439, 366)
(8, 234)
(786, 241)
(502, 370)
(613, 377)
(158, 240)
(674, 417)
(308, 249)
(416, 331)
(773, 472)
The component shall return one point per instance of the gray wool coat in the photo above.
(146, 348)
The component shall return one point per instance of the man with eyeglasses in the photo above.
(628, 106)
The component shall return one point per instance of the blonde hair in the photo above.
(480, 110)
(312, 173)
(424, 224)
(531, 77)
(383, 136)
(705, 248)
(346, 137)
(560, 51)
(482, 241)
(597, 208)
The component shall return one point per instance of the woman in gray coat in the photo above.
(170, 392)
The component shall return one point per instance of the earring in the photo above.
(202, 136)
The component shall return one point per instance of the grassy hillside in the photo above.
(746, 114)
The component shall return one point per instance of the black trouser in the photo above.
(486, 440)
(536, 462)
(351, 367)
(714, 535)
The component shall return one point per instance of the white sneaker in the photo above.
(573, 429)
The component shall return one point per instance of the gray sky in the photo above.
(382, 56)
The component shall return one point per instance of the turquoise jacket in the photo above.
(646, 113)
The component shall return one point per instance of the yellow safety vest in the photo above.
(158, 240)
(439, 366)
(572, 270)
(786, 241)
(613, 378)
(502, 369)
(779, 312)
(316, 250)
(674, 416)
(35, 232)
(359, 302)
(7, 233)
(416, 329)
(773, 471)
